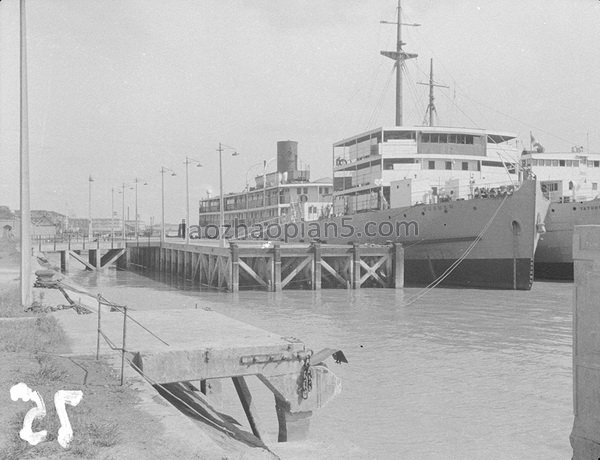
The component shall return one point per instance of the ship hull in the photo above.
(492, 273)
(554, 254)
(491, 241)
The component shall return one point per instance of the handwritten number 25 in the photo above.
(65, 432)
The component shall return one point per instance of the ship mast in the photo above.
(431, 106)
(399, 56)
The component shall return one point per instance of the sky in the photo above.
(120, 88)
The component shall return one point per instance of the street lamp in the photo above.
(112, 215)
(90, 228)
(163, 170)
(123, 212)
(221, 201)
(265, 163)
(136, 207)
(188, 160)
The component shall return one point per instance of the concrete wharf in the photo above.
(186, 354)
(235, 265)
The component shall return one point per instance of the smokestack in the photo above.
(287, 157)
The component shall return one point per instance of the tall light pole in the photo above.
(188, 160)
(26, 286)
(265, 163)
(90, 227)
(112, 215)
(136, 181)
(221, 201)
(123, 212)
(163, 170)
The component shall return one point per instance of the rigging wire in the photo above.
(378, 106)
(466, 95)
(413, 91)
(457, 262)
(457, 107)
(529, 126)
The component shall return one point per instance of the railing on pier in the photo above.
(123, 348)
(82, 242)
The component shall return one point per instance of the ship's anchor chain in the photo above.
(306, 379)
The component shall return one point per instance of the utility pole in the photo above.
(26, 285)
(90, 226)
(123, 213)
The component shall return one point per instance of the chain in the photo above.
(306, 385)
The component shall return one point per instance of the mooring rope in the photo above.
(120, 308)
(154, 383)
(457, 262)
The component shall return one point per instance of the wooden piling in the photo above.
(356, 266)
(276, 283)
(398, 268)
(235, 267)
(64, 261)
(316, 284)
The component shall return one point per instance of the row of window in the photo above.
(457, 165)
(553, 186)
(240, 200)
(435, 138)
(561, 163)
(448, 165)
(439, 138)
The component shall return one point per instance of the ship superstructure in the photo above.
(571, 181)
(284, 195)
(404, 166)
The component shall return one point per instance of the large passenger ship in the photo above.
(570, 180)
(451, 196)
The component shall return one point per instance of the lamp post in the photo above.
(221, 201)
(25, 285)
(265, 163)
(112, 213)
(90, 227)
(163, 170)
(248, 187)
(188, 160)
(123, 212)
(136, 181)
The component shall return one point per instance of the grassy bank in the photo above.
(106, 423)
(31, 346)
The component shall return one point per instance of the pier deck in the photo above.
(272, 266)
(203, 346)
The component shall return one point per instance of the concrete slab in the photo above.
(201, 344)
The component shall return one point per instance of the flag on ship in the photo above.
(535, 145)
